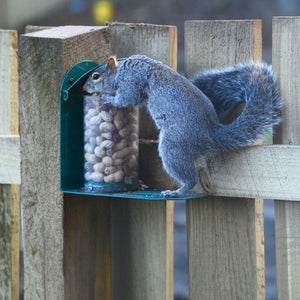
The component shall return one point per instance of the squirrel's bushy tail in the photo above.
(253, 83)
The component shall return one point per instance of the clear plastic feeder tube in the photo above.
(110, 146)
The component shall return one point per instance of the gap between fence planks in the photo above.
(286, 61)
(9, 166)
(225, 235)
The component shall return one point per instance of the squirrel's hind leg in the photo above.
(180, 167)
(177, 193)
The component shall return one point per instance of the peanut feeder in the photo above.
(99, 142)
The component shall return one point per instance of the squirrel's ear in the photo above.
(112, 64)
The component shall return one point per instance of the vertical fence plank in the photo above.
(225, 235)
(142, 231)
(87, 247)
(9, 194)
(286, 61)
(48, 234)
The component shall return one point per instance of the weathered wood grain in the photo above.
(86, 239)
(286, 60)
(9, 165)
(142, 231)
(5, 48)
(5, 242)
(163, 48)
(221, 248)
(225, 46)
(87, 261)
(142, 244)
(269, 172)
(225, 235)
(45, 57)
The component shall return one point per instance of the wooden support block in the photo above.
(286, 59)
(142, 231)
(49, 236)
(225, 235)
(10, 166)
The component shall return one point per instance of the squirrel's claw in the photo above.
(169, 194)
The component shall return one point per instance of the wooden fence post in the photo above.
(66, 237)
(9, 193)
(142, 231)
(286, 61)
(225, 235)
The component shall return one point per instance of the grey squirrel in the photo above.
(187, 112)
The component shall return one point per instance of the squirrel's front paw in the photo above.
(169, 194)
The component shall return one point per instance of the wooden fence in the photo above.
(91, 247)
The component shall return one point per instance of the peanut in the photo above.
(99, 167)
(91, 158)
(115, 177)
(106, 126)
(106, 116)
(99, 152)
(95, 120)
(107, 144)
(107, 160)
(96, 176)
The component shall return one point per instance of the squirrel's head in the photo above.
(102, 79)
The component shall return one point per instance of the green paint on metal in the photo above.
(71, 125)
(143, 195)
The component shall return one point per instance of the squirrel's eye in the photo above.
(96, 76)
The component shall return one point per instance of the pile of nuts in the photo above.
(110, 143)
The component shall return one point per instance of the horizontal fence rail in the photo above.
(269, 172)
